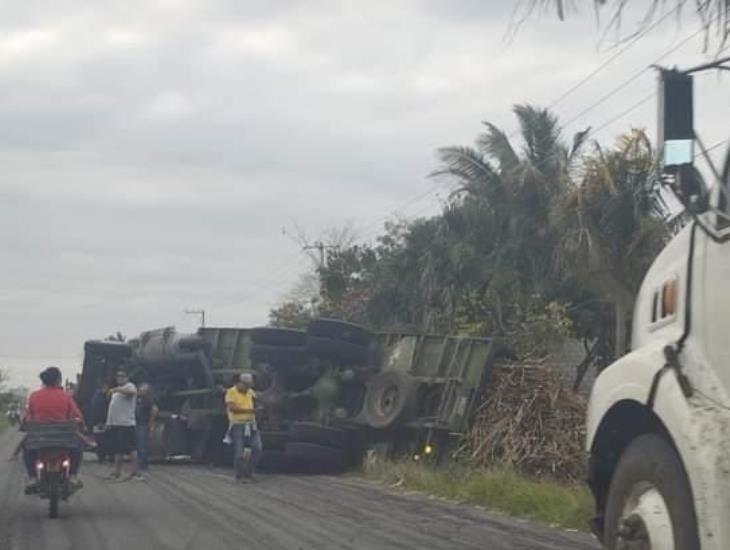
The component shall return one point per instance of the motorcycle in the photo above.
(53, 469)
(52, 444)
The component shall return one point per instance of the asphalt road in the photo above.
(193, 507)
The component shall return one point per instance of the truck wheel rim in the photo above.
(646, 523)
(388, 400)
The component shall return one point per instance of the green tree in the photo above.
(502, 206)
(611, 225)
(290, 314)
(537, 241)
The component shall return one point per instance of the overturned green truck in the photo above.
(327, 394)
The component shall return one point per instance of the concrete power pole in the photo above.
(320, 247)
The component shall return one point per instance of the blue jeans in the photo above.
(240, 441)
(143, 446)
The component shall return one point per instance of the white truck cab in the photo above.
(658, 427)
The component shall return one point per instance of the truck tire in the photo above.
(199, 429)
(390, 398)
(275, 441)
(340, 330)
(650, 499)
(277, 355)
(315, 458)
(339, 351)
(168, 437)
(270, 336)
(308, 432)
(272, 461)
(265, 379)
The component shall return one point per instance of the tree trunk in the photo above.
(621, 318)
(582, 368)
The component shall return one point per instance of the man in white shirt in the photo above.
(120, 423)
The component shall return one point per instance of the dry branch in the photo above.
(530, 422)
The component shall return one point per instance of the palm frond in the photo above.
(465, 164)
(579, 139)
(495, 144)
(541, 135)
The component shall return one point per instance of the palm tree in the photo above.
(503, 199)
(611, 224)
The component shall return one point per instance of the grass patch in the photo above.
(501, 489)
(3, 422)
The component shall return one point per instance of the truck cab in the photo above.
(658, 426)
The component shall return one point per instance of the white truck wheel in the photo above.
(649, 505)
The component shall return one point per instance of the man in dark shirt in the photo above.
(145, 414)
(97, 415)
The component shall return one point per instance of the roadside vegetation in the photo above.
(541, 238)
(567, 505)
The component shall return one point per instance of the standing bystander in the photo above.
(145, 414)
(98, 411)
(120, 422)
(241, 407)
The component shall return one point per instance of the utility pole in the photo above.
(321, 247)
(200, 312)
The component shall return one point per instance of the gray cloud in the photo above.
(153, 151)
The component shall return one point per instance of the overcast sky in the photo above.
(152, 152)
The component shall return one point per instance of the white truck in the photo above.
(659, 417)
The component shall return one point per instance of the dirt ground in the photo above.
(194, 507)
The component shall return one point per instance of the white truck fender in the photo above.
(699, 430)
(629, 378)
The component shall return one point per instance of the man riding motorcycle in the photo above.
(52, 404)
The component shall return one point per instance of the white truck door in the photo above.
(714, 293)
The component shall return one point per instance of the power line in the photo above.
(622, 114)
(568, 92)
(584, 80)
(266, 282)
(286, 265)
(611, 59)
(599, 102)
(715, 146)
(406, 204)
(413, 215)
(269, 283)
(631, 79)
(277, 270)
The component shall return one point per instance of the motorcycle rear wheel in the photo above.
(53, 499)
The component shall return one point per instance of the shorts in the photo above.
(121, 439)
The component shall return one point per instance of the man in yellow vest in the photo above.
(241, 407)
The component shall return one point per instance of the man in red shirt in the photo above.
(52, 404)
